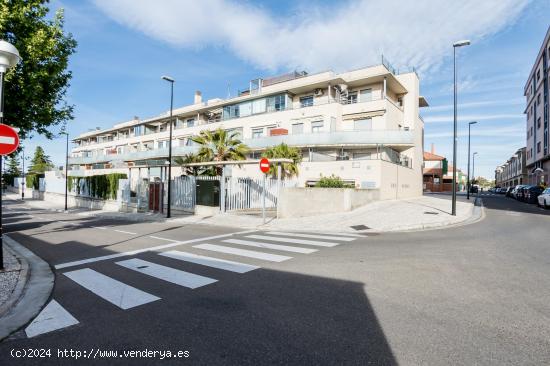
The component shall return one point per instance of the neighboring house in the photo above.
(363, 126)
(435, 167)
(537, 109)
(514, 171)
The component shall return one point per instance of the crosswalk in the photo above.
(269, 247)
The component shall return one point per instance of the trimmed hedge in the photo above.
(103, 186)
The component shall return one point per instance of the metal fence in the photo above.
(247, 193)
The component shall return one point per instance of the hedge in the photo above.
(33, 180)
(103, 186)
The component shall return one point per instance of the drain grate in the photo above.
(431, 213)
(360, 227)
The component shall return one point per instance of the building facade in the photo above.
(513, 171)
(538, 100)
(363, 126)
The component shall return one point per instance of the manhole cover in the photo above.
(431, 213)
(359, 227)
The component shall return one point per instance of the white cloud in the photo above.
(472, 117)
(511, 131)
(483, 103)
(351, 34)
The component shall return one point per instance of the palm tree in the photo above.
(283, 151)
(194, 170)
(220, 145)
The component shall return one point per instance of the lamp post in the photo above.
(66, 167)
(171, 81)
(23, 166)
(468, 185)
(9, 57)
(455, 46)
(473, 165)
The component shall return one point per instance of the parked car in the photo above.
(520, 195)
(508, 192)
(474, 189)
(501, 190)
(532, 194)
(515, 190)
(544, 198)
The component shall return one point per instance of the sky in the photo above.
(217, 46)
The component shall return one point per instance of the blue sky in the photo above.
(219, 45)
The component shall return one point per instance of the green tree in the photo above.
(12, 169)
(283, 151)
(220, 145)
(194, 170)
(36, 88)
(40, 162)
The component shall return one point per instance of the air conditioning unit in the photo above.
(318, 92)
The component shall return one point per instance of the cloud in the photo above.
(351, 34)
(472, 117)
(502, 132)
(483, 103)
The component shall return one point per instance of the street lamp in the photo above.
(171, 81)
(9, 57)
(468, 185)
(473, 165)
(455, 46)
(66, 167)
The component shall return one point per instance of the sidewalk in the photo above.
(428, 211)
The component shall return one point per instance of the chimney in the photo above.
(198, 97)
(433, 149)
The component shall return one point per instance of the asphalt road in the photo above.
(474, 294)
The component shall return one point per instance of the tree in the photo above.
(36, 88)
(194, 170)
(40, 162)
(283, 151)
(12, 170)
(220, 145)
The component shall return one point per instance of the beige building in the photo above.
(538, 100)
(514, 171)
(363, 126)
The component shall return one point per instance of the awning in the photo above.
(363, 115)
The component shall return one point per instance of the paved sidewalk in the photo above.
(428, 211)
(9, 277)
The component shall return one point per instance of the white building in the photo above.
(363, 126)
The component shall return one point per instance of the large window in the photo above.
(138, 130)
(190, 122)
(231, 111)
(276, 103)
(297, 128)
(306, 101)
(363, 124)
(365, 95)
(538, 147)
(316, 126)
(352, 98)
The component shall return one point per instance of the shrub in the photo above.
(332, 182)
(33, 180)
(103, 186)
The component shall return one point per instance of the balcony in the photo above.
(337, 138)
(133, 156)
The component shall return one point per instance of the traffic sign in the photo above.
(264, 165)
(9, 140)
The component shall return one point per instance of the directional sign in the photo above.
(264, 165)
(9, 140)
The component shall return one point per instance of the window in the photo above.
(352, 98)
(538, 75)
(269, 128)
(538, 99)
(245, 109)
(538, 122)
(365, 95)
(163, 144)
(190, 122)
(363, 124)
(276, 103)
(297, 128)
(316, 126)
(258, 106)
(138, 130)
(231, 111)
(538, 147)
(257, 133)
(306, 101)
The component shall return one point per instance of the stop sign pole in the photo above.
(264, 167)
(9, 141)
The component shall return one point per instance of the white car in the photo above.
(544, 198)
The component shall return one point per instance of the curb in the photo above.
(32, 294)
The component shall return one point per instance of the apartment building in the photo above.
(363, 126)
(538, 99)
(513, 171)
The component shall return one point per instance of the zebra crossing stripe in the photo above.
(294, 241)
(116, 292)
(284, 248)
(52, 317)
(243, 252)
(299, 235)
(168, 274)
(210, 261)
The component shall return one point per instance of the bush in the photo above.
(100, 186)
(332, 182)
(33, 181)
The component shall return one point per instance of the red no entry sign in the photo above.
(264, 165)
(9, 140)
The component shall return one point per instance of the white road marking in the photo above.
(210, 261)
(299, 235)
(52, 317)
(243, 253)
(151, 249)
(116, 292)
(168, 274)
(284, 248)
(159, 238)
(99, 227)
(294, 241)
(125, 232)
